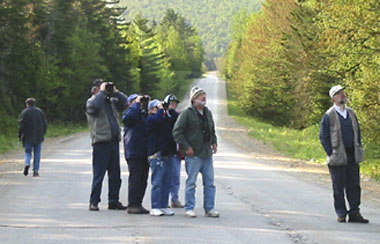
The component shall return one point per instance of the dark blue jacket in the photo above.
(160, 137)
(324, 134)
(135, 136)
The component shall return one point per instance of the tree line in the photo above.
(284, 59)
(212, 18)
(53, 49)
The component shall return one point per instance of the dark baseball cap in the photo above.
(97, 82)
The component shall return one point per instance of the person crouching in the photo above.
(161, 149)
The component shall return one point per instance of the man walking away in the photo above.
(32, 128)
(102, 114)
(135, 149)
(195, 132)
(341, 138)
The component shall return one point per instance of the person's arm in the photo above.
(95, 103)
(359, 132)
(179, 130)
(214, 140)
(44, 121)
(122, 101)
(21, 125)
(131, 115)
(324, 135)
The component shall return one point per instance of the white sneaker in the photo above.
(167, 212)
(156, 212)
(212, 213)
(190, 214)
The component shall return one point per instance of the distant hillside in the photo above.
(212, 18)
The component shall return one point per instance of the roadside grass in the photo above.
(299, 144)
(184, 88)
(9, 140)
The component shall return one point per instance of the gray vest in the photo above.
(338, 156)
(100, 128)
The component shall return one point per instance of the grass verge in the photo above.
(9, 140)
(299, 144)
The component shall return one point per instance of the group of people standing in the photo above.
(156, 136)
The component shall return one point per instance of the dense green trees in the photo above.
(284, 59)
(212, 18)
(54, 49)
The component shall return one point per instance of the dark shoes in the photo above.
(342, 219)
(93, 207)
(26, 170)
(357, 218)
(116, 206)
(137, 210)
(35, 174)
(177, 204)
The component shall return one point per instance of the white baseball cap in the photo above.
(335, 89)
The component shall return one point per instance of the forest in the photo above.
(212, 18)
(53, 49)
(284, 59)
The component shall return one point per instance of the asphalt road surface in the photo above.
(258, 202)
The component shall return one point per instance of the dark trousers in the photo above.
(137, 181)
(105, 158)
(346, 179)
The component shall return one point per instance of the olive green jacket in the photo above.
(187, 132)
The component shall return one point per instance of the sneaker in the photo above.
(116, 206)
(156, 212)
(26, 170)
(342, 219)
(190, 214)
(167, 212)
(212, 213)
(35, 174)
(93, 207)
(357, 218)
(137, 210)
(177, 204)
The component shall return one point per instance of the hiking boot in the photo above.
(190, 214)
(26, 170)
(357, 218)
(177, 204)
(212, 213)
(116, 206)
(137, 210)
(156, 212)
(93, 207)
(35, 174)
(342, 219)
(167, 212)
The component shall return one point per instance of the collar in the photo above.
(343, 112)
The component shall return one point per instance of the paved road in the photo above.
(258, 202)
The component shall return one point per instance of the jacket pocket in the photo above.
(359, 154)
(336, 159)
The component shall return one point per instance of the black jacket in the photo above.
(32, 125)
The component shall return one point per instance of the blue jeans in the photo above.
(37, 155)
(162, 169)
(176, 178)
(105, 157)
(195, 165)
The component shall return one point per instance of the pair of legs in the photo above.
(36, 149)
(194, 166)
(346, 182)
(162, 169)
(137, 181)
(105, 158)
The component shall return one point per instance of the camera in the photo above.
(110, 87)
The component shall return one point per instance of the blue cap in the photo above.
(132, 97)
(153, 104)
